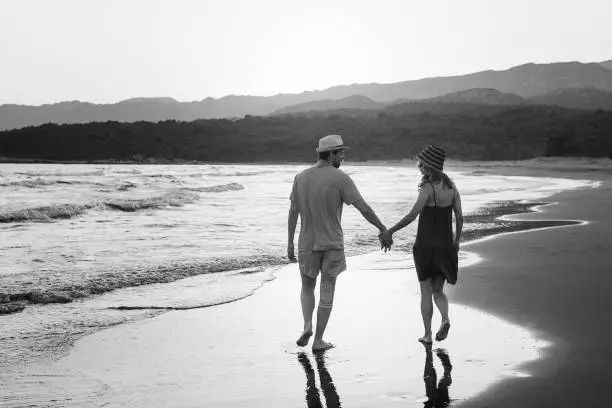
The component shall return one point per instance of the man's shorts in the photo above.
(331, 263)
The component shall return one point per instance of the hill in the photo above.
(351, 102)
(576, 98)
(484, 96)
(606, 64)
(526, 81)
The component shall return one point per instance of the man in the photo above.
(318, 195)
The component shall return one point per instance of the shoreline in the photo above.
(486, 215)
(489, 220)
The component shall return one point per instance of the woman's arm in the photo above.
(424, 194)
(458, 218)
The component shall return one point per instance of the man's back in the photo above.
(320, 192)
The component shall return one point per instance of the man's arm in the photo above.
(369, 214)
(292, 223)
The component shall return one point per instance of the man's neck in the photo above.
(323, 163)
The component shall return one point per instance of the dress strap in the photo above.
(434, 193)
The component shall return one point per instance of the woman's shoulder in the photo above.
(426, 187)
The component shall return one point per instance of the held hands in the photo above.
(386, 240)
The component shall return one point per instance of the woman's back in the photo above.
(440, 194)
(433, 246)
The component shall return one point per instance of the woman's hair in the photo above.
(436, 176)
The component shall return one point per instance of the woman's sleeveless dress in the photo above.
(433, 251)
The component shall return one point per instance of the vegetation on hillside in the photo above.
(474, 132)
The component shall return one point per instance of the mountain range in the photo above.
(570, 84)
(586, 98)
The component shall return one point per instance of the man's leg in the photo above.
(307, 299)
(326, 301)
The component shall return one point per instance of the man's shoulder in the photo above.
(305, 172)
(328, 173)
(336, 175)
(342, 176)
(341, 173)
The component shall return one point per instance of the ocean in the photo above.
(85, 247)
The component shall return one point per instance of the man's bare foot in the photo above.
(320, 345)
(426, 339)
(303, 339)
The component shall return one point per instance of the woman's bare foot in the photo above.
(304, 337)
(443, 332)
(320, 345)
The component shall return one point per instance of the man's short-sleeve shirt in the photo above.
(320, 192)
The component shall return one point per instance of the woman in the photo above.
(435, 249)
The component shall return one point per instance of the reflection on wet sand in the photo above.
(313, 397)
(437, 392)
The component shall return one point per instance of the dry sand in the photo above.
(530, 328)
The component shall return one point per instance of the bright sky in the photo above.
(105, 51)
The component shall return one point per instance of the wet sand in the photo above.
(557, 283)
(530, 321)
(244, 354)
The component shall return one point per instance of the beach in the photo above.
(555, 282)
(529, 326)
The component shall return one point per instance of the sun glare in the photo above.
(312, 55)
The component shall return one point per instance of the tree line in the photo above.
(473, 133)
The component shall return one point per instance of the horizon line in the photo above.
(297, 93)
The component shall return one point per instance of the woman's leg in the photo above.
(440, 297)
(442, 304)
(426, 309)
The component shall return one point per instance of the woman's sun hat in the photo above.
(330, 143)
(432, 156)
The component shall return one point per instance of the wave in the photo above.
(117, 279)
(60, 211)
(170, 177)
(66, 211)
(60, 174)
(241, 173)
(37, 182)
(132, 171)
(174, 199)
(218, 189)
(126, 186)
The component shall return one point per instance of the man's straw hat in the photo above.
(331, 143)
